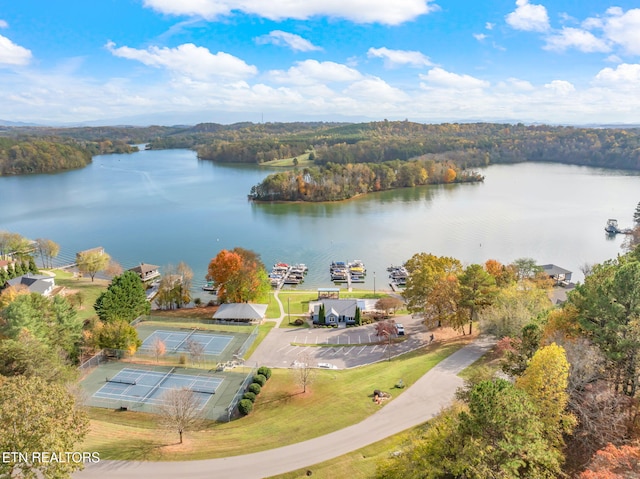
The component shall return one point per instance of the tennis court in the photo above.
(179, 341)
(148, 387)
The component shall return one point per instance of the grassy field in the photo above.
(88, 289)
(282, 414)
(303, 160)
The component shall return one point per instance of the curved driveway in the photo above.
(419, 403)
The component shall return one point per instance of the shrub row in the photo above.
(245, 406)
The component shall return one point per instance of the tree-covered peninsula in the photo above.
(20, 156)
(335, 182)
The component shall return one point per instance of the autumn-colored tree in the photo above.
(47, 249)
(9, 294)
(92, 262)
(239, 275)
(545, 381)
(443, 306)
(425, 271)
(450, 175)
(37, 416)
(512, 309)
(477, 290)
(159, 348)
(389, 303)
(614, 462)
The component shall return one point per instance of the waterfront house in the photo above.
(561, 276)
(336, 311)
(241, 312)
(35, 283)
(147, 272)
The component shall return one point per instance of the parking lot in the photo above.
(343, 348)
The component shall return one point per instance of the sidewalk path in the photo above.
(417, 404)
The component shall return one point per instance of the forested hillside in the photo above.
(471, 144)
(20, 156)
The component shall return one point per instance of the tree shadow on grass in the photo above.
(139, 450)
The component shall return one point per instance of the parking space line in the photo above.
(361, 350)
(349, 350)
(283, 347)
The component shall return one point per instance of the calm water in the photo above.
(163, 207)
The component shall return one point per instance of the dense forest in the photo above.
(472, 144)
(465, 144)
(26, 155)
(334, 182)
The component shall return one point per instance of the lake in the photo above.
(163, 207)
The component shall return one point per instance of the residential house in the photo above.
(336, 311)
(147, 272)
(35, 283)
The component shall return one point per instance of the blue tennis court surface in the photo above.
(178, 341)
(148, 387)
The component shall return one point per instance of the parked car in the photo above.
(400, 329)
(327, 366)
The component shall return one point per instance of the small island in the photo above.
(336, 182)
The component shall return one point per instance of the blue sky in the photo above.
(188, 61)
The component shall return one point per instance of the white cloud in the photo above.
(308, 72)
(528, 17)
(520, 85)
(4, 24)
(623, 28)
(439, 77)
(12, 54)
(359, 11)
(561, 87)
(375, 90)
(479, 36)
(189, 60)
(291, 40)
(624, 74)
(570, 37)
(393, 58)
(489, 25)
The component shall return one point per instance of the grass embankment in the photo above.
(282, 414)
(89, 291)
(360, 464)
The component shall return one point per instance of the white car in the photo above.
(400, 329)
(327, 366)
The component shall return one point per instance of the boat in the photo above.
(209, 287)
(612, 228)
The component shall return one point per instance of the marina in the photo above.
(283, 273)
(347, 272)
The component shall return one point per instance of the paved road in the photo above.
(417, 404)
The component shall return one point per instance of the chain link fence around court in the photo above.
(140, 387)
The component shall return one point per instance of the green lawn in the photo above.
(282, 414)
(88, 289)
(303, 160)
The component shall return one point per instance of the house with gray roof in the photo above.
(336, 311)
(35, 283)
(560, 275)
(241, 312)
(147, 272)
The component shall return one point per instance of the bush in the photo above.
(250, 396)
(245, 406)
(254, 388)
(259, 379)
(298, 322)
(182, 359)
(265, 371)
